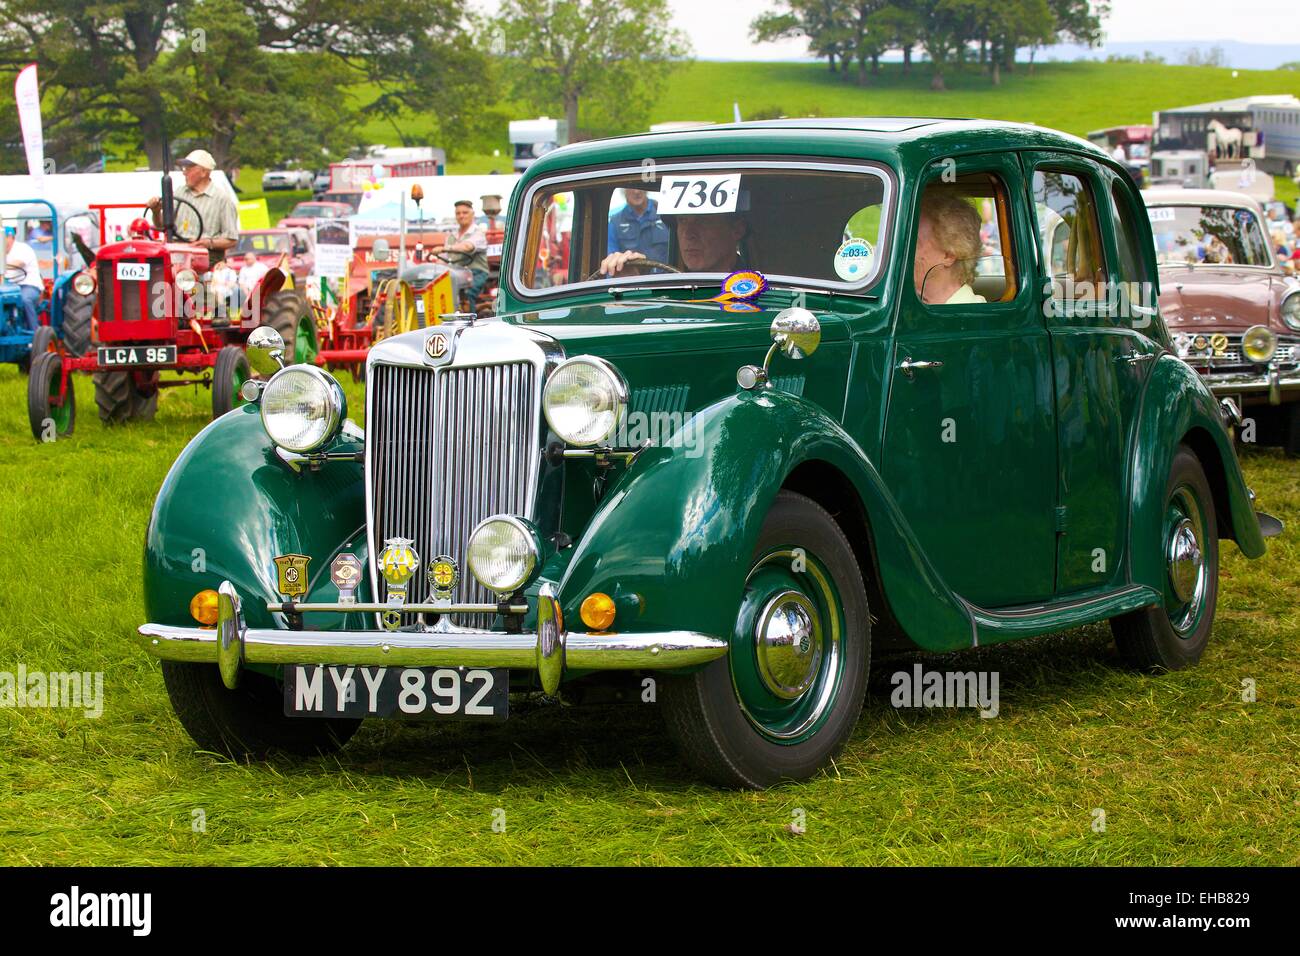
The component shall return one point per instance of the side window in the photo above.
(964, 253)
(1135, 282)
(1070, 236)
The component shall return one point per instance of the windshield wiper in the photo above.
(619, 291)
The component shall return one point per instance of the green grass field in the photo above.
(1186, 772)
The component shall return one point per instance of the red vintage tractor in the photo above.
(145, 304)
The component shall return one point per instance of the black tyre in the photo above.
(1291, 430)
(247, 722)
(785, 700)
(121, 400)
(47, 419)
(229, 374)
(1174, 634)
(77, 312)
(288, 314)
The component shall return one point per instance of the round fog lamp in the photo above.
(302, 408)
(504, 552)
(84, 283)
(203, 607)
(1258, 344)
(585, 400)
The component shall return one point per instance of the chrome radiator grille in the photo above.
(446, 448)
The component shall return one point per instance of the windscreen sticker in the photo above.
(698, 195)
(1161, 213)
(853, 259)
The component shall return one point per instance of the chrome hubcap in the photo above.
(789, 644)
(1185, 560)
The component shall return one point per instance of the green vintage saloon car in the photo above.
(761, 400)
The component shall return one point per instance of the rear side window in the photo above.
(1070, 236)
(1132, 267)
(963, 243)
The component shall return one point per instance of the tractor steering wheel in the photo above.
(642, 264)
(176, 234)
(15, 274)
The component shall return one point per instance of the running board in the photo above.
(1004, 624)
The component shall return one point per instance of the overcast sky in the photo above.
(719, 29)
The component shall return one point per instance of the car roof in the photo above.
(1173, 196)
(860, 137)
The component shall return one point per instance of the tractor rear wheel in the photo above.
(77, 311)
(229, 375)
(48, 420)
(289, 314)
(120, 400)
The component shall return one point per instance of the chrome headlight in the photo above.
(302, 408)
(1291, 309)
(585, 400)
(187, 280)
(504, 553)
(83, 283)
(1258, 344)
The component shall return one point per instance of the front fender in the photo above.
(229, 506)
(1178, 408)
(680, 528)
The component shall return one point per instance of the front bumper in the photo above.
(549, 650)
(1272, 381)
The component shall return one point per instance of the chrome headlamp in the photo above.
(1258, 344)
(302, 408)
(504, 553)
(1291, 309)
(83, 283)
(187, 280)
(585, 400)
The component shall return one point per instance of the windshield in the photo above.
(677, 224)
(262, 243)
(1208, 235)
(314, 211)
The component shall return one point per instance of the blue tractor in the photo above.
(63, 312)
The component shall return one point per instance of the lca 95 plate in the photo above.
(404, 693)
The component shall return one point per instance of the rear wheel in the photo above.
(289, 315)
(229, 375)
(77, 312)
(120, 399)
(247, 722)
(786, 698)
(49, 420)
(1174, 634)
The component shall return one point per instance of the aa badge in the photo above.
(345, 572)
(291, 569)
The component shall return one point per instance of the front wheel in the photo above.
(786, 698)
(228, 377)
(1173, 634)
(247, 722)
(48, 419)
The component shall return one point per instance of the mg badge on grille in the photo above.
(437, 345)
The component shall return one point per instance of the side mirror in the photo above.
(265, 350)
(797, 333)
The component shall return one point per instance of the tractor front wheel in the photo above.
(229, 375)
(42, 341)
(47, 419)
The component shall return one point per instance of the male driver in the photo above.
(21, 267)
(220, 217)
(470, 244)
(637, 227)
(705, 244)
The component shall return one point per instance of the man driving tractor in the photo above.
(220, 217)
(22, 267)
(470, 245)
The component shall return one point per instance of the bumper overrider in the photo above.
(549, 650)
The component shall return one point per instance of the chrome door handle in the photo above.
(1134, 357)
(907, 365)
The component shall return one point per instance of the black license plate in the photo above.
(404, 693)
(117, 356)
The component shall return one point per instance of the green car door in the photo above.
(970, 432)
(1087, 245)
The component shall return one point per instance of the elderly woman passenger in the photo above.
(947, 247)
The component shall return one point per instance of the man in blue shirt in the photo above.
(637, 228)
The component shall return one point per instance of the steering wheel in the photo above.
(15, 274)
(176, 235)
(642, 264)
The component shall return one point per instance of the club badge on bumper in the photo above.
(398, 562)
(291, 574)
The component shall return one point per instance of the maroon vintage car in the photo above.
(1232, 311)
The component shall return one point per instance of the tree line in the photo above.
(852, 35)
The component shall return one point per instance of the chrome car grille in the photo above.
(447, 448)
(1231, 360)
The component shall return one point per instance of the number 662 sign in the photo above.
(699, 195)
